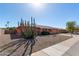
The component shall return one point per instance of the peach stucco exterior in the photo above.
(39, 29)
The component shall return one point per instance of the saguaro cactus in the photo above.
(28, 41)
(30, 34)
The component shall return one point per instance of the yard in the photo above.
(41, 43)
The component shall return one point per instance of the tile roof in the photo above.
(48, 27)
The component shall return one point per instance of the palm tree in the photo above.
(8, 24)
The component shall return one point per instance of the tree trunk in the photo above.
(71, 34)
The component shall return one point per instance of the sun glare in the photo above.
(37, 5)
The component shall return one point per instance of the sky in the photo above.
(48, 14)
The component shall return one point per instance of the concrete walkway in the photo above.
(65, 48)
(73, 51)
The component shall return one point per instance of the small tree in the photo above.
(76, 28)
(70, 26)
